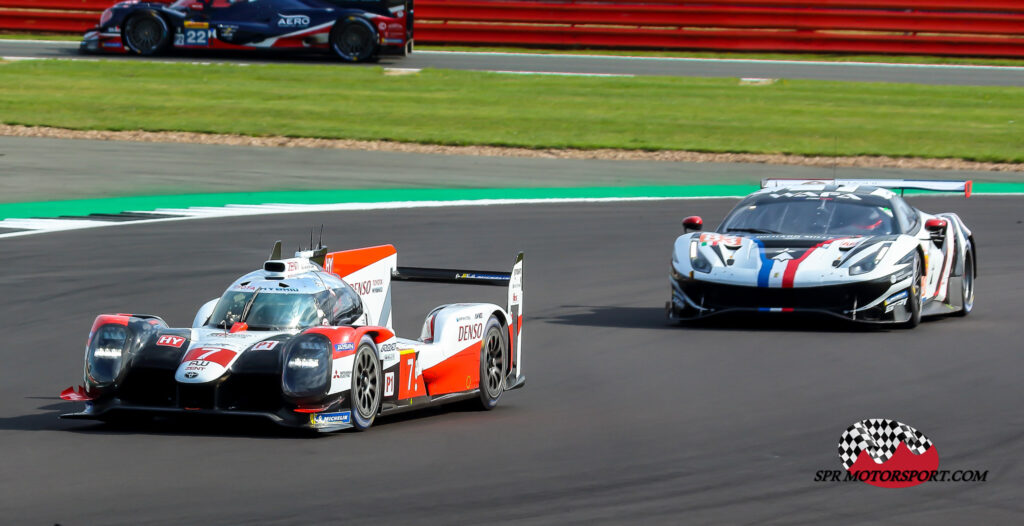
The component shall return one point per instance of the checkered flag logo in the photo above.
(880, 437)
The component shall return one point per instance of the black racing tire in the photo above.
(494, 364)
(967, 285)
(354, 41)
(146, 34)
(366, 394)
(914, 296)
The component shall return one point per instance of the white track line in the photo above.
(44, 226)
(973, 67)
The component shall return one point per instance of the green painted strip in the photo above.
(113, 205)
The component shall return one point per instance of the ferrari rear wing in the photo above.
(891, 184)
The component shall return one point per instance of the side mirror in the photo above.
(935, 226)
(693, 223)
(204, 313)
(239, 326)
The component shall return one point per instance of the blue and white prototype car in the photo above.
(848, 248)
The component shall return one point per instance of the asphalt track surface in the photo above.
(625, 418)
(601, 65)
(36, 169)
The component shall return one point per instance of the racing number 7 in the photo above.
(413, 386)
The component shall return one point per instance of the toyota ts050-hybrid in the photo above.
(307, 342)
(849, 248)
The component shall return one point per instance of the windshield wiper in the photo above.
(245, 310)
(752, 230)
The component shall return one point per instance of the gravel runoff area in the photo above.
(862, 161)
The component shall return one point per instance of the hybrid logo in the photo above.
(293, 21)
(891, 454)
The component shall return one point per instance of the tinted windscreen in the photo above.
(810, 216)
(267, 310)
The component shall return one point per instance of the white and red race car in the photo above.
(307, 342)
(850, 248)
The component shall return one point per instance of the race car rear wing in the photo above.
(513, 280)
(891, 184)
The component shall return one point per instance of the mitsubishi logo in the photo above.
(783, 255)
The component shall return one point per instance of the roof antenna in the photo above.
(320, 242)
(311, 237)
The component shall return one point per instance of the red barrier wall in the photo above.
(939, 27)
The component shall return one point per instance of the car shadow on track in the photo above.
(654, 318)
(195, 425)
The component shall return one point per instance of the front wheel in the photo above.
(146, 33)
(914, 299)
(354, 41)
(366, 385)
(967, 286)
(493, 363)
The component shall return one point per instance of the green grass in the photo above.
(461, 107)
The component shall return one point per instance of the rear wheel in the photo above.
(366, 385)
(354, 41)
(146, 33)
(493, 363)
(967, 285)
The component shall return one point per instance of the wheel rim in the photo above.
(354, 41)
(494, 355)
(366, 389)
(145, 34)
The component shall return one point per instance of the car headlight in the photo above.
(105, 354)
(870, 260)
(697, 259)
(307, 367)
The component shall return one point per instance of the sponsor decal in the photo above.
(192, 24)
(265, 345)
(783, 255)
(895, 300)
(389, 384)
(340, 375)
(389, 347)
(111, 44)
(817, 195)
(191, 374)
(471, 332)
(348, 346)
(170, 341)
(368, 286)
(329, 419)
(847, 244)
(890, 454)
(713, 239)
(293, 21)
(383, 26)
(202, 356)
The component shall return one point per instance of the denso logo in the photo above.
(293, 21)
(471, 332)
(366, 287)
